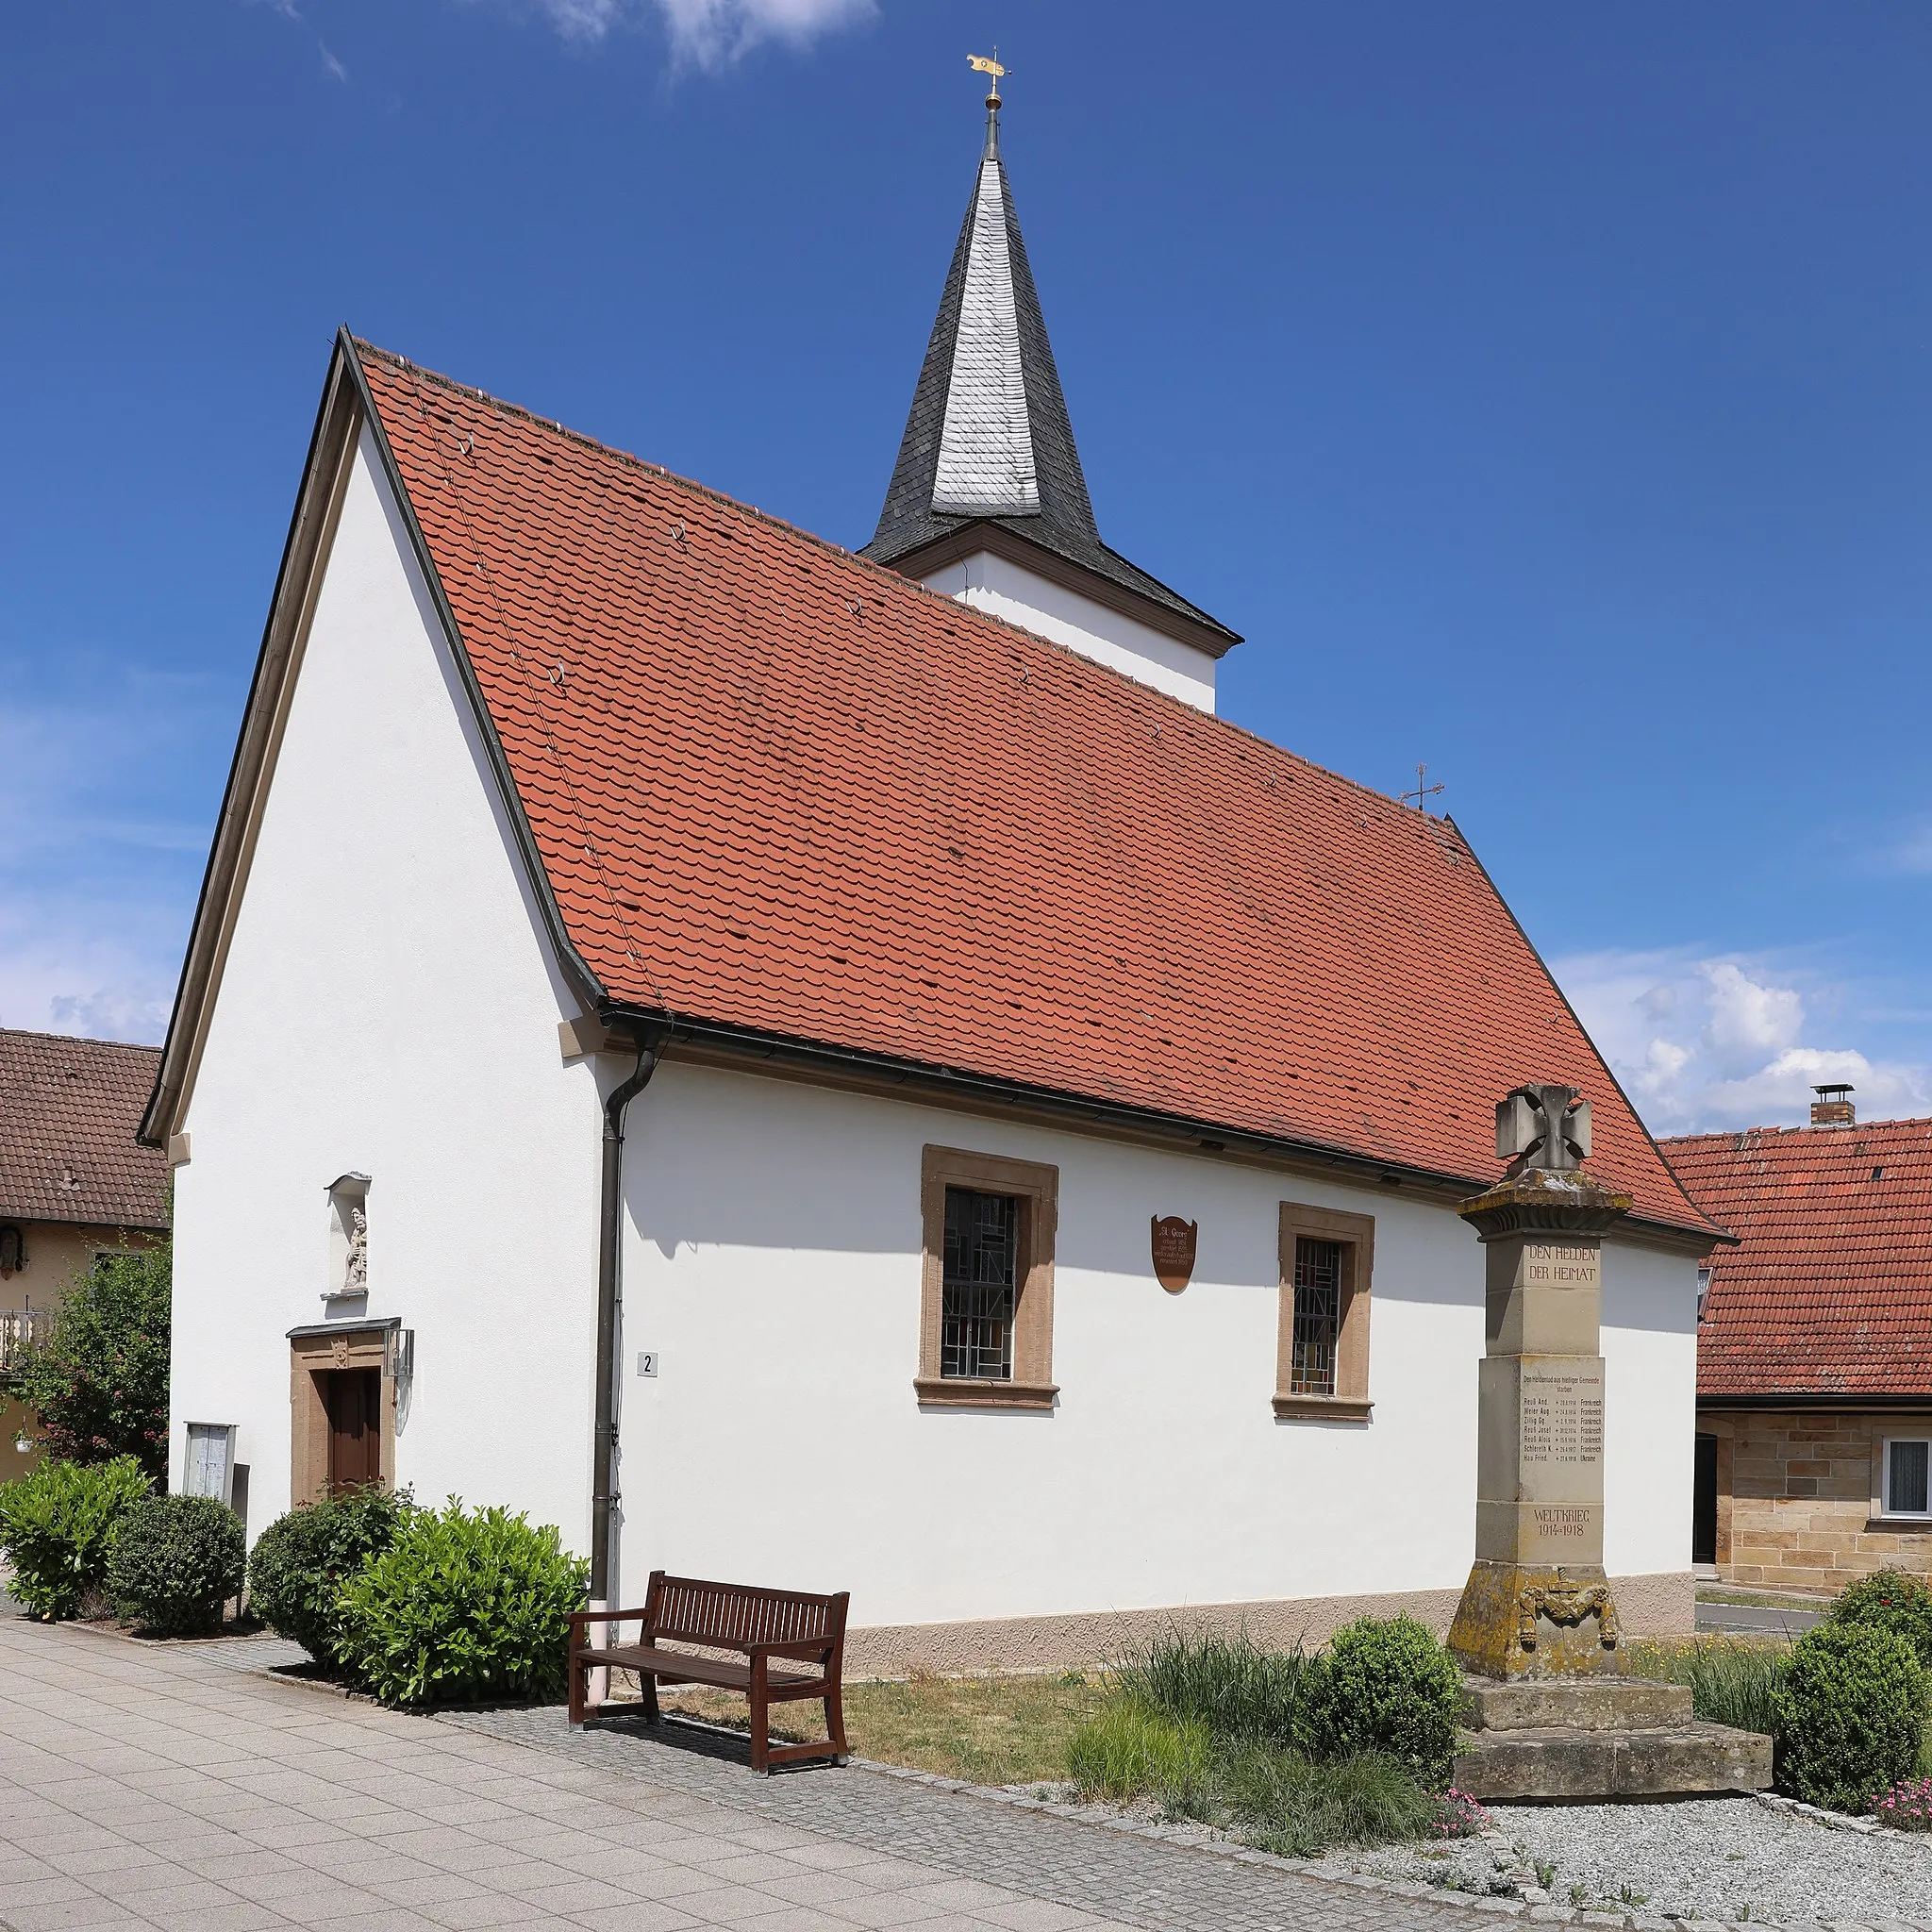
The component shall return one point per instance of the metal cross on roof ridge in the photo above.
(1422, 794)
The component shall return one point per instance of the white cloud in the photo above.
(1704, 1043)
(104, 841)
(709, 33)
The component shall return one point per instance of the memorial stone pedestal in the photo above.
(1536, 1631)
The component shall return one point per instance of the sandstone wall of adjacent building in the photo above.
(1800, 1498)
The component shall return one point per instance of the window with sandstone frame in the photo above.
(986, 1289)
(1906, 1470)
(1322, 1350)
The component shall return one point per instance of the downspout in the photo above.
(609, 1237)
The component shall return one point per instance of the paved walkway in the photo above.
(1771, 1619)
(158, 1786)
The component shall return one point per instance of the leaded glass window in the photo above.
(1317, 1316)
(979, 1284)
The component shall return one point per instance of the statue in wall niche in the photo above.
(356, 1270)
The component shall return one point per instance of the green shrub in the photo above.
(302, 1560)
(1893, 1600)
(100, 1385)
(463, 1606)
(176, 1562)
(1848, 1716)
(1127, 1751)
(1386, 1685)
(1286, 1803)
(1229, 1684)
(57, 1528)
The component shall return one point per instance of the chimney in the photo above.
(1833, 1107)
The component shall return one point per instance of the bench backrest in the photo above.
(688, 1609)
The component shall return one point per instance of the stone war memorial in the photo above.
(1551, 1712)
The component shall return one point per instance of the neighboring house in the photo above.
(74, 1182)
(1041, 1212)
(1814, 1356)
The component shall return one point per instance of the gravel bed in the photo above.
(1713, 1858)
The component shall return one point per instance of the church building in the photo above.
(839, 1070)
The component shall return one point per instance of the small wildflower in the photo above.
(1458, 1815)
(1906, 1807)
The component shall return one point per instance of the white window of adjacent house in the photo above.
(1909, 1476)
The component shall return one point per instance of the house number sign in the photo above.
(1174, 1251)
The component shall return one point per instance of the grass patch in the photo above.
(1732, 1679)
(993, 1730)
(1282, 1802)
(1125, 1751)
(1218, 1731)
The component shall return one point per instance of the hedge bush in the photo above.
(176, 1562)
(1386, 1685)
(1848, 1716)
(302, 1560)
(463, 1607)
(57, 1528)
(1893, 1600)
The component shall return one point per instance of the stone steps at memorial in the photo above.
(1501, 1767)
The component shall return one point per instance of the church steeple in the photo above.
(988, 461)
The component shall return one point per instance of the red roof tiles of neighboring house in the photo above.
(778, 787)
(68, 1112)
(1829, 1290)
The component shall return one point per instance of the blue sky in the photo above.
(1546, 393)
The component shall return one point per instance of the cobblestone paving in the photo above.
(1131, 1878)
(161, 1786)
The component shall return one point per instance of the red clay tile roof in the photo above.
(68, 1112)
(777, 786)
(1829, 1290)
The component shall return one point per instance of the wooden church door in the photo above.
(354, 1427)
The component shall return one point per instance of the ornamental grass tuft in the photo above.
(1297, 1807)
(1129, 1752)
(1293, 1754)
(1230, 1683)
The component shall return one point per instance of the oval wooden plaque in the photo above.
(1174, 1251)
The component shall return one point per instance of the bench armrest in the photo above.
(808, 1649)
(579, 1618)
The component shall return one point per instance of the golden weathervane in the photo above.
(980, 64)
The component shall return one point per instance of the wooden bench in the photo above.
(760, 1624)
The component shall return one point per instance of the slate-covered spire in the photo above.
(987, 440)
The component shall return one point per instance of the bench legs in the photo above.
(760, 1719)
(835, 1726)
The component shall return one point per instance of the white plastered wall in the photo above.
(389, 1004)
(772, 1264)
(1650, 1408)
(1001, 588)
